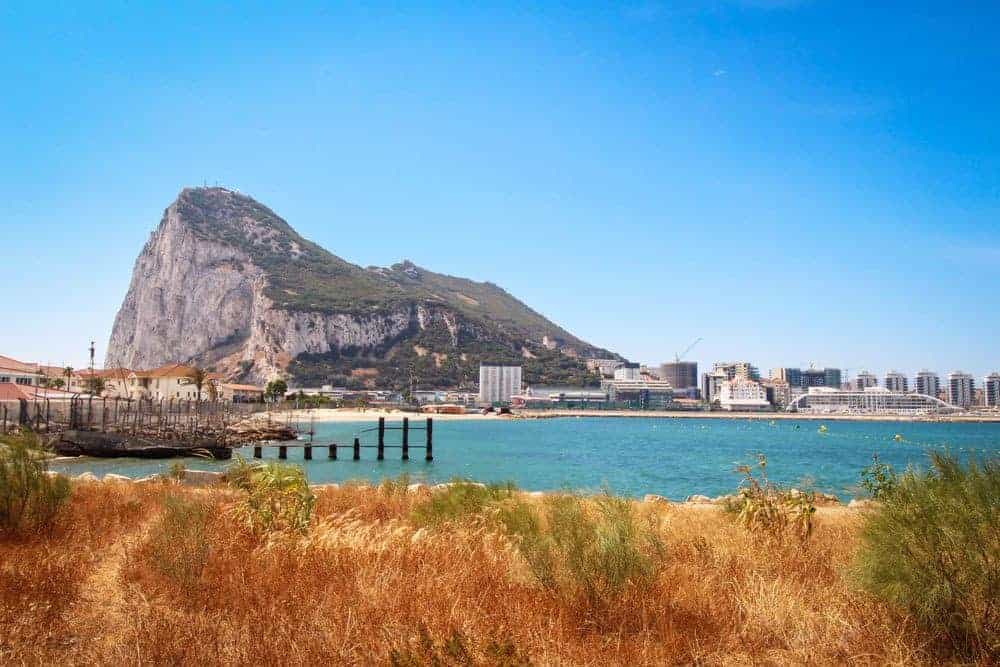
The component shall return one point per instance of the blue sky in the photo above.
(793, 182)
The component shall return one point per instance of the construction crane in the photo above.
(678, 357)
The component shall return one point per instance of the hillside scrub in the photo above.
(375, 579)
(933, 549)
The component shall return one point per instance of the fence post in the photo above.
(104, 414)
(333, 451)
(309, 452)
(257, 451)
(282, 452)
(22, 417)
(406, 438)
(429, 452)
(357, 449)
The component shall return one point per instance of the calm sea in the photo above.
(670, 457)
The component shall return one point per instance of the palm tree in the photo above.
(68, 372)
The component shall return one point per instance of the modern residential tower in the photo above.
(960, 389)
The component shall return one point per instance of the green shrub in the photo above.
(933, 548)
(178, 541)
(594, 551)
(767, 509)
(879, 480)
(461, 499)
(177, 471)
(29, 498)
(278, 497)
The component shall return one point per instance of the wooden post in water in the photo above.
(428, 452)
(406, 438)
(333, 451)
(258, 451)
(357, 449)
(309, 452)
(283, 452)
(381, 438)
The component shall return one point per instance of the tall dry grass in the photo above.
(369, 584)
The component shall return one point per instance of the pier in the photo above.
(334, 449)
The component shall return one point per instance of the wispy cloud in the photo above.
(719, 72)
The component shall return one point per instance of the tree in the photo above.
(68, 372)
(198, 376)
(95, 385)
(58, 383)
(275, 389)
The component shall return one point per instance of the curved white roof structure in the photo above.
(870, 401)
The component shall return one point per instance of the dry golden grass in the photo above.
(366, 586)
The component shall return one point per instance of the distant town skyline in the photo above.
(793, 182)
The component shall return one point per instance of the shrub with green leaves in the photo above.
(933, 548)
(767, 509)
(879, 479)
(278, 497)
(461, 499)
(590, 549)
(178, 541)
(29, 498)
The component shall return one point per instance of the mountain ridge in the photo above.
(225, 282)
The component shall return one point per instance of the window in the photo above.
(5, 379)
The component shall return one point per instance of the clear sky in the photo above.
(793, 182)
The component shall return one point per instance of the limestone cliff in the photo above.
(225, 283)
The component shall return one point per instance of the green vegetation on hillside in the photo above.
(303, 277)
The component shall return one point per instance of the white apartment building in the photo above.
(928, 383)
(991, 390)
(960, 389)
(895, 381)
(741, 394)
(497, 383)
(629, 372)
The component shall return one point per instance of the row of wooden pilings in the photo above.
(356, 447)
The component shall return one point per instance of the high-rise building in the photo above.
(793, 376)
(928, 383)
(864, 379)
(960, 389)
(680, 374)
(497, 382)
(814, 377)
(991, 390)
(832, 377)
(895, 381)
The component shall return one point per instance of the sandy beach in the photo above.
(365, 414)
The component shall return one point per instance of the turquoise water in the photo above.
(670, 457)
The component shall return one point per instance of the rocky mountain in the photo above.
(225, 283)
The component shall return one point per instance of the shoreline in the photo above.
(333, 415)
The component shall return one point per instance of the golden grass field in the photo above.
(367, 586)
